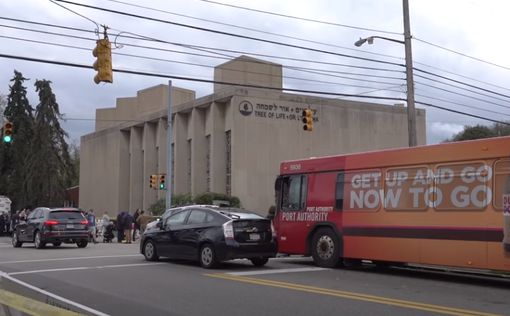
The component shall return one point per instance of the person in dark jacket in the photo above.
(128, 227)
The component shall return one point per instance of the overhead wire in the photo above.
(230, 57)
(459, 75)
(304, 19)
(231, 34)
(460, 82)
(461, 88)
(461, 54)
(460, 94)
(253, 29)
(151, 74)
(146, 38)
(244, 85)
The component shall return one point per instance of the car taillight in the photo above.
(273, 231)
(228, 230)
(50, 223)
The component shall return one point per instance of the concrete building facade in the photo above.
(231, 141)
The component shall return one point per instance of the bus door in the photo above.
(290, 202)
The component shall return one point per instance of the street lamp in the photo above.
(411, 114)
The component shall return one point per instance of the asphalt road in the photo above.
(115, 279)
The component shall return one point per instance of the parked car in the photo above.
(210, 235)
(52, 225)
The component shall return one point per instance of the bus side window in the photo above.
(339, 193)
(293, 193)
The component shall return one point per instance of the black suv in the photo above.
(210, 235)
(52, 225)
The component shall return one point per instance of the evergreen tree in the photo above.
(49, 163)
(13, 156)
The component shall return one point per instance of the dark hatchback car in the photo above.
(52, 225)
(210, 235)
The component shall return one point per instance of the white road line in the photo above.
(69, 258)
(54, 296)
(259, 272)
(87, 268)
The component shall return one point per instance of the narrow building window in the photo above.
(228, 161)
(208, 162)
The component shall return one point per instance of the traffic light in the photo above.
(103, 63)
(162, 184)
(7, 135)
(154, 181)
(307, 119)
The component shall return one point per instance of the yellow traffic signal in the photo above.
(153, 181)
(7, 135)
(103, 63)
(307, 119)
(162, 184)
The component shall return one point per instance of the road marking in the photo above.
(31, 306)
(354, 296)
(69, 258)
(87, 268)
(52, 297)
(260, 272)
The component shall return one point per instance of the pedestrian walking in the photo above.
(136, 224)
(91, 220)
(105, 221)
(144, 219)
(128, 227)
(120, 226)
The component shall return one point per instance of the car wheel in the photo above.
(149, 251)
(259, 262)
(15, 241)
(82, 243)
(57, 244)
(39, 244)
(325, 248)
(208, 257)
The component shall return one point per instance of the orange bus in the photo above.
(445, 204)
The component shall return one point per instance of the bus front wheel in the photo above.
(325, 248)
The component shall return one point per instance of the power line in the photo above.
(232, 34)
(252, 29)
(463, 113)
(320, 72)
(461, 94)
(459, 53)
(459, 75)
(303, 19)
(243, 85)
(464, 105)
(460, 82)
(461, 88)
(150, 74)
(146, 38)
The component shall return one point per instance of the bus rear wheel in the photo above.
(325, 248)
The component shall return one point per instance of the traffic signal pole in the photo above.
(169, 135)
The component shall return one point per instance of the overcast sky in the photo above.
(476, 28)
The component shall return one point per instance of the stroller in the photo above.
(108, 233)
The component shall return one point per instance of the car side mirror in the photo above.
(159, 224)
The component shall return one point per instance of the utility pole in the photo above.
(411, 113)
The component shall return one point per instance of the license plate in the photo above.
(69, 226)
(254, 236)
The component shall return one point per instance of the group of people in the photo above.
(128, 226)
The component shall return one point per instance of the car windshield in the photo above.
(65, 215)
